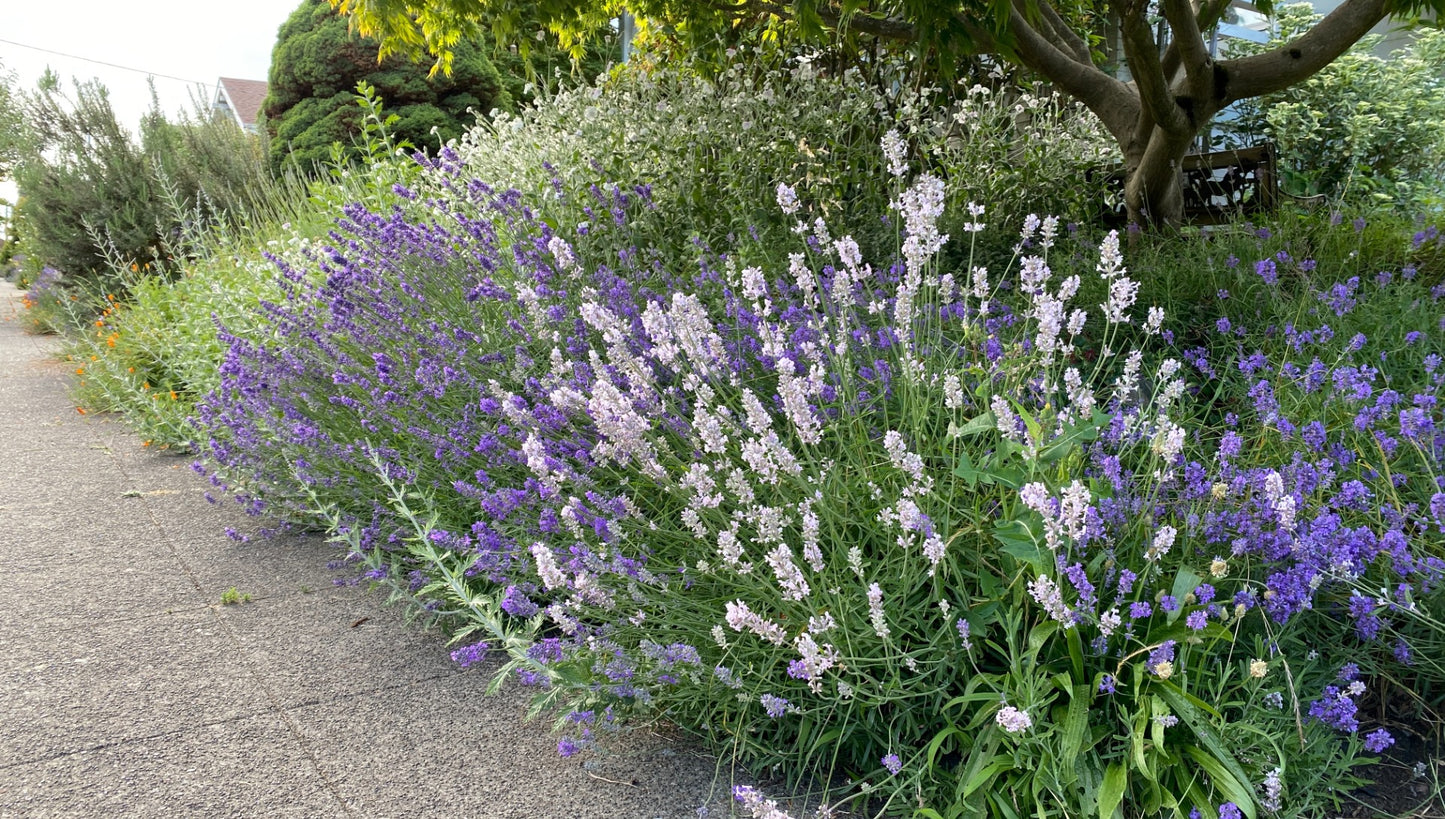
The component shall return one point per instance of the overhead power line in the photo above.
(104, 63)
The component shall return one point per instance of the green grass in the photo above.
(233, 597)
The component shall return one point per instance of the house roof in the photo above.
(244, 98)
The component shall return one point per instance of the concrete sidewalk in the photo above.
(128, 689)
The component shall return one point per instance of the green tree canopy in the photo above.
(12, 123)
(1175, 85)
(1364, 126)
(317, 64)
(207, 161)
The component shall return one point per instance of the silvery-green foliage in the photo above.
(12, 124)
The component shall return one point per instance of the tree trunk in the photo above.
(1174, 90)
(1153, 189)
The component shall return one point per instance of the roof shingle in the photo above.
(245, 97)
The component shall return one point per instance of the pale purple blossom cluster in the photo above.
(876, 615)
(921, 206)
(1273, 790)
(1012, 720)
(1066, 516)
(915, 527)
(741, 618)
(1046, 593)
(895, 153)
(758, 805)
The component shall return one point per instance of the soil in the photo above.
(1407, 783)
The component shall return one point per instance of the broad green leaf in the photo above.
(1074, 436)
(1180, 632)
(1076, 655)
(1008, 449)
(1001, 805)
(1184, 583)
(1111, 793)
(1200, 797)
(1136, 744)
(826, 738)
(979, 425)
(1076, 725)
(1011, 477)
(940, 738)
(992, 471)
(1224, 781)
(985, 775)
(1041, 634)
(1185, 709)
(1156, 728)
(1200, 704)
(1088, 776)
(965, 699)
(1019, 542)
(1171, 802)
(1036, 430)
(981, 757)
(966, 470)
(1153, 799)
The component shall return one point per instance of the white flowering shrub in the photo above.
(712, 147)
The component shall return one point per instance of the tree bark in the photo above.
(1300, 58)
(1153, 193)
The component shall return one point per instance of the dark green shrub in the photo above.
(316, 66)
(207, 161)
(12, 131)
(96, 202)
(83, 183)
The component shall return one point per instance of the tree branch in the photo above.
(1064, 34)
(1143, 128)
(1142, 54)
(1111, 101)
(883, 27)
(1208, 15)
(1169, 62)
(1188, 42)
(1299, 59)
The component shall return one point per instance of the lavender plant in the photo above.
(47, 305)
(658, 127)
(1351, 402)
(939, 533)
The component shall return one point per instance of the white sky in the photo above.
(194, 40)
